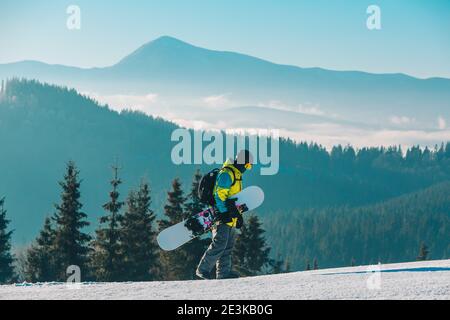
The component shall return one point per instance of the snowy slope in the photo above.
(416, 280)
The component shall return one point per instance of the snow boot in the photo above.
(203, 275)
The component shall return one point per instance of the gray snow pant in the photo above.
(219, 252)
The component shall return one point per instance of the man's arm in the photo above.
(227, 208)
(222, 191)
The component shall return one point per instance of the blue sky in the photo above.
(414, 39)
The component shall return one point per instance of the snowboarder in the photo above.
(228, 183)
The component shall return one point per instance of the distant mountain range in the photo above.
(184, 76)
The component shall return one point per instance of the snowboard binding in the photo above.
(200, 223)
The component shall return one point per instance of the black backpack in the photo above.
(207, 184)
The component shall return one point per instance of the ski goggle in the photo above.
(248, 166)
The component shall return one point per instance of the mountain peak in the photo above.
(159, 47)
(166, 40)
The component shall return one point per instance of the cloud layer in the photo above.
(304, 123)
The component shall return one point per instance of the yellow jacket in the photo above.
(228, 183)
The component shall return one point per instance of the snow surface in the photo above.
(416, 280)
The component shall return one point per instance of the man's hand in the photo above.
(233, 212)
(231, 207)
(239, 222)
(225, 217)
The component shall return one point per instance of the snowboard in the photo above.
(175, 236)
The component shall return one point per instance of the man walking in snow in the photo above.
(228, 183)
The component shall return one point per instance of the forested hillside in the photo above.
(391, 231)
(42, 127)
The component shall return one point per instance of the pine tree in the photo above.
(423, 252)
(6, 258)
(280, 265)
(173, 262)
(71, 244)
(277, 265)
(138, 237)
(251, 253)
(316, 264)
(308, 265)
(195, 248)
(107, 263)
(40, 262)
(287, 266)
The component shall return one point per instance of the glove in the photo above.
(234, 212)
(231, 207)
(239, 222)
(225, 217)
(228, 217)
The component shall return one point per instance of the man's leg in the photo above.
(215, 250)
(224, 265)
